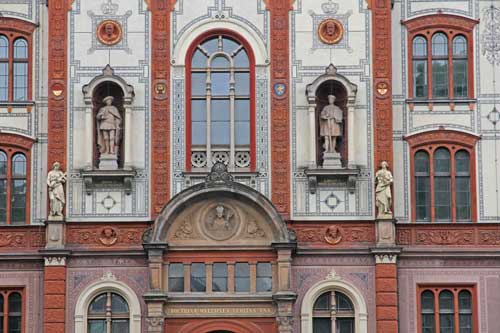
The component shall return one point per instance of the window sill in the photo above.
(16, 103)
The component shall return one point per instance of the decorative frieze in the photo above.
(335, 235)
(105, 236)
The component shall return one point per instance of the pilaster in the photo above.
(54, 291)
(284, 296)
(156, 297)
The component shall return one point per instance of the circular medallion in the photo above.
(330, 31)
(280, 89)
(109, 32)
(220, 222)
(333, 235)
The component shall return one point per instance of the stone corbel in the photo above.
(123, 176)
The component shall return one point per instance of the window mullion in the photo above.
(209, 118)
(455, 310)
(231, 119)
(108, 312)
(5, 311)
(436, 310)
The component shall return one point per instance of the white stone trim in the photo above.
(386, 258)
(55, 261)
(104, 285)
(187, 38)
(360, 309)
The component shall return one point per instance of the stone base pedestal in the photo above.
(108, 162)
(331, 160)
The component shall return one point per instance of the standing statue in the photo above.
(383, 196)
(55, 180)
(108, 127)
(330, 124)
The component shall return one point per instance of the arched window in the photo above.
(14, 179)
(220, 111)
(440, 59)
(108, 313)
(443, 171)
(446, 310)
(333, 312)
(15, 60)
(11, 311)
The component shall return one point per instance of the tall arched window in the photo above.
(11, 311)
(443, 171)
(108, 313)
(420, 67)
(440, 65)
(220, 110)
(14, 179)
(460, 66)
(20, 70)
(4, 68)
(333, 311)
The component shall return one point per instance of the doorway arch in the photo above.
(221, 326)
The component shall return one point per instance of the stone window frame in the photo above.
(14, 29)
(102, 286)
(454, 141)
(252, 96)
(108, 314)
(231, 278)
(12, 145)
(334, 284)
(455, 289)
(452, 26)
(6, 294)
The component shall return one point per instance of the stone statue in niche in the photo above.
(109, 123)
(331, 118)
(55, 180)
(383, 196)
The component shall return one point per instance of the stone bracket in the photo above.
(386, 255)
(92, 178)
(319, 175)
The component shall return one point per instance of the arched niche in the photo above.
(108, 84)
(331, 83)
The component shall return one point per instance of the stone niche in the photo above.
(220, 221)
(324, 164)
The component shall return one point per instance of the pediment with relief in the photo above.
(222, 222)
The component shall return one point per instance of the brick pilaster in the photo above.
(386, 291)
(54, 295)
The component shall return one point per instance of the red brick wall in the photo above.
(386, 286)
(54, 299)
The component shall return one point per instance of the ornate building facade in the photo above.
(226, 166)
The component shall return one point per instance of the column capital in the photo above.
(386, 255)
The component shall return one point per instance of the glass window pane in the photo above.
(229, 45)
(220, 84)
(442, 160)
(219, 277)
(419, 46)
(241, 59)
(220, 126)
(343, 302)
(198, 110)
(420, 78)
(242, 84)
(323, 302)
(20, 49)
(264, 277)
(422, 186)
(4, 81)
(220, 110)
(422, 163)
(439, 45)
(442, 197)
(345, 325)
(220, 62)
(462, 162)
(464, 301)
(220, 133)
(439, 78)
(119, 326)
(3, 201)
(199, 60)
(15, 304)
(176, 277)
(242, 133)
(14, 323)
(463, 198)
(427, 300)
(198, 84)
(98, 305)
(210, 45)
(118, 304)
(322, 325)
(460, 78)
(20, 81)
(4, 47)
(242, 110)
(242, 277)
(446, 302)
(97, 326)
(19, 165)
(198, 283)
(465, 323)
(460, 46)
(198, 133)
(3, 164)
(18, 201)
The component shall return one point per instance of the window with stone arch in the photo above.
(443, 176)
(333, 312)
(108, 313)
(15, 60)
(220, 112)
(441, 62)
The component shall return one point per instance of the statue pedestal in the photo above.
(108, 162)
(331, 160)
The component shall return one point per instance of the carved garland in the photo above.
(280, 101)
(160, 113)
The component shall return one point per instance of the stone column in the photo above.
(127, 136)
(156, 297)
(284, 297)
(54, 292)
(386, 276)
(311, 116)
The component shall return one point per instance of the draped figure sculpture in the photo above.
(55, 180)
(383, 196)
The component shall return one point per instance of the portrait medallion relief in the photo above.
(220, 222)
(330, 31)
(109, 32)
